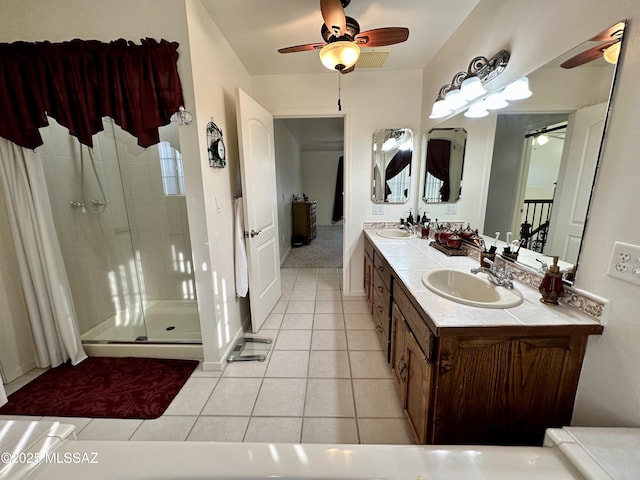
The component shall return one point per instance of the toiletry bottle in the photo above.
(551, 286)
(410, 218)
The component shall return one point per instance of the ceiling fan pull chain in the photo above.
(339, 91)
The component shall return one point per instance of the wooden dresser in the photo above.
(304, 221)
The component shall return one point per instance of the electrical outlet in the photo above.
(624, 262)
(451, 209)
(378, 209)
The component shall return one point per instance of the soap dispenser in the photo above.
(410, 218)
(551, 286)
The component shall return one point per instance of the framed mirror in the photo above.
(444, 162)
(546, 152)
(391, 165)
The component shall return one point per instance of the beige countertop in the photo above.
(412, 258)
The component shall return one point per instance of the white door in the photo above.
(258, 171)
(575, 181)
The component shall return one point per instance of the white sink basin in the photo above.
(395, 233)
(469, 289)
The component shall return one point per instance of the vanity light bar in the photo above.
(465, 87)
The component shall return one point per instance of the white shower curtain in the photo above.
(42, 272)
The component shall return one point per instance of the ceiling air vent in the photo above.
(372, 58)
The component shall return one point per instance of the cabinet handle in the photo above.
(379, 328)
(403, 374)
(380, 309)
(380, 268)
(400, 365)
(380, 289)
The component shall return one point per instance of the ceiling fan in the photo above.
(609, 49)
(343, 38)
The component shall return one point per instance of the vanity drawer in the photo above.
(381, 317)
(379, 286)
(382, 267)
(418, 326)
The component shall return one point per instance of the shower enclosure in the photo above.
(121, 218)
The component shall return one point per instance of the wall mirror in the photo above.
(547, 148)
(391, 166)
(444, 161)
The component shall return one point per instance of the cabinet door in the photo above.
(418, 388)
(399, 332)
(368, 281)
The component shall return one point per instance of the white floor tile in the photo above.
(305, 284)
(297, 321)
(354, 298)
(363, 340)
(384, 431)
(288, 363)
(192, 396)
(78, 422)
(328, 340)
(376, 399)
(328, 295)
(357, 306)
(272, 430)
(328, 321)
(327, 306)
(329, 364)
(359, 321)
(293, 340)
(308, 295)
(109, 429)
(273, 321)
(300, 306)
(280, 397)
(233, 397)
(329, 430)
(367, 364)
(199, 372)
(329, 398)
(165, 428)
(219, 429)
(280, 307)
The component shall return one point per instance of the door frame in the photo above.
(346, 170)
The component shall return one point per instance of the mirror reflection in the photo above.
(538, 191)
(391, 167)
(444, 162)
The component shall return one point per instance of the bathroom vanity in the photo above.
(465, 374)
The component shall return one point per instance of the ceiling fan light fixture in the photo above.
(339, 55)
(517, 90)
(612, 53)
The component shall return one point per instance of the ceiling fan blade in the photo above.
(613, 32)
(333, 15)
(587, 56)
(379, 37)
(302, 48)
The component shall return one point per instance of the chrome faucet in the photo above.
(497, 276)
(409, 227)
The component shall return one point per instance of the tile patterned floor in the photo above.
(325, 380)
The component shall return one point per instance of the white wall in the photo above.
(288, 180)
(370, 100)
(319, 170)
(609, 389)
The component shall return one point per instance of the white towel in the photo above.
(242, 272)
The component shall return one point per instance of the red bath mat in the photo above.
(103, 387)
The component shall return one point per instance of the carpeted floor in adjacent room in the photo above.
(325, 251)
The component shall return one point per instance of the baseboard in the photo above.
(11, 374)
(284, 257)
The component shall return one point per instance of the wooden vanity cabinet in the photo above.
(368, 273)
(413, 375)
(471, 385)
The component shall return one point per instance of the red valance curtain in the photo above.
(398, 163)
(80, 81)
(438, 156)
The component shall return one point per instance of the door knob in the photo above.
(254, 233)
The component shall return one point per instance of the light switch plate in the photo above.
(625, 262)
(378, 209)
